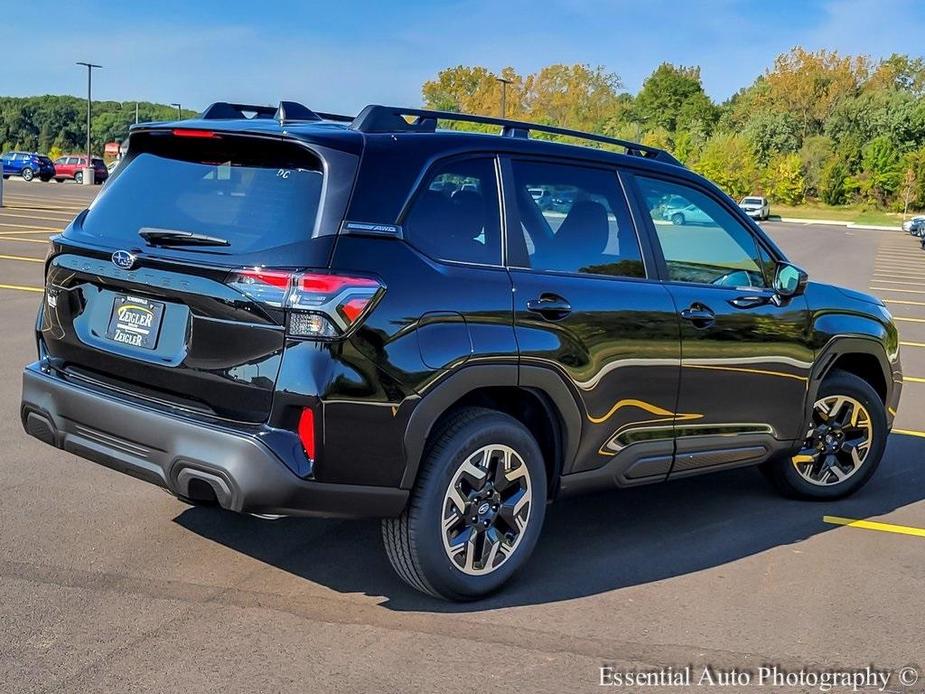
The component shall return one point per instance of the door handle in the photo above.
(749, 301)
(698, 314)
(550, 306)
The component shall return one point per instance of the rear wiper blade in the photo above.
(168, 237)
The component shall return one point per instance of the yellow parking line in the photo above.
(64, 217)
(901, 274)
(874, 525)
(913, 379)
(17, 238)
(22, 289)
(884, 280)
(28, 226)
(900, 301)
(896, 289)
(21, 257)
(909, 320)
(912, 344)
(50, 208)
(30, 230)
(909, 432)
(880, 265)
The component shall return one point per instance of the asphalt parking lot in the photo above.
(107, 583)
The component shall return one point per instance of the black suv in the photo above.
(295, 313)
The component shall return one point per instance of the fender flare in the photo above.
(435, 402)
(838, 346)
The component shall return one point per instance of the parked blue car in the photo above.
(28, 165)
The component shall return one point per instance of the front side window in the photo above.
(457, 216)
(701, 242)
(575, 219)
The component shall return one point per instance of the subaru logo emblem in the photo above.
(123, 259)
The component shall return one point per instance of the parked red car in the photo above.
(70, 167)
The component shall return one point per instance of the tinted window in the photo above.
(456, 215)
(255, 194)
(701, 242)
(575, 219)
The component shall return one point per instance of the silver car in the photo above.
(756, 207)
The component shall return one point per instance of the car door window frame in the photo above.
(762, 244)
(517, 257)
(421, 186)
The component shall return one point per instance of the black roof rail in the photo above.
(285, 112)
(386, 119)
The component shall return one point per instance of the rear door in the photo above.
(745, 357)
(587, 307)
(134, 308)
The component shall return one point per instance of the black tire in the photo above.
(79, 177)
(45, 179)
(783, 473)
(677, 218)
(5, 176)
(27, 174)
(414, 542)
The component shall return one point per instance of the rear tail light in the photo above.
(317, 305)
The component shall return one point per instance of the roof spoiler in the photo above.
(285, 112)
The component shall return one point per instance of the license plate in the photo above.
(135, 322)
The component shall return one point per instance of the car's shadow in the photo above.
(590, 544)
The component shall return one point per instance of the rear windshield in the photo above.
(751, 201)
(255, 194)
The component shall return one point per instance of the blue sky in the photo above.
(340, 55)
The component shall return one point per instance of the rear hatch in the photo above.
(144, 289)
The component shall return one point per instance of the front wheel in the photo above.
(845, 440)
(476, 510)
(677, 219)
(27, 174)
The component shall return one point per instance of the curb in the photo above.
(833, 222)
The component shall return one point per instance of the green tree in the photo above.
(832, 188)
(783, 179)
(772, 133)
(814, 155)
(672, 97)
(881, 171)
(727, 160)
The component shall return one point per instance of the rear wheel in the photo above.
(27, 174)
(46, 179)
(677, 218)
(79, 177)
(845, 440)
(476, 511)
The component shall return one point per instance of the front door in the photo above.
(745, 356)
(587, 308)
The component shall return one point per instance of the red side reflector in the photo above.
(307, 432)
(190, 132)
(353, 308)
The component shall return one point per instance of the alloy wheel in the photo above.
(486, 509)
(837, 443)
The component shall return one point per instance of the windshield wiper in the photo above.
(168, 237)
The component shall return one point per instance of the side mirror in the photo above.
(789, 280)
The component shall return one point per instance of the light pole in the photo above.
(179, 112)
(504, 82)
(136, 113)
(90, 67)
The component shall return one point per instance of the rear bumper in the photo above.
(171, 451)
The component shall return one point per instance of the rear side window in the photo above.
(455, 216)
(575, 219)
(255, 194)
